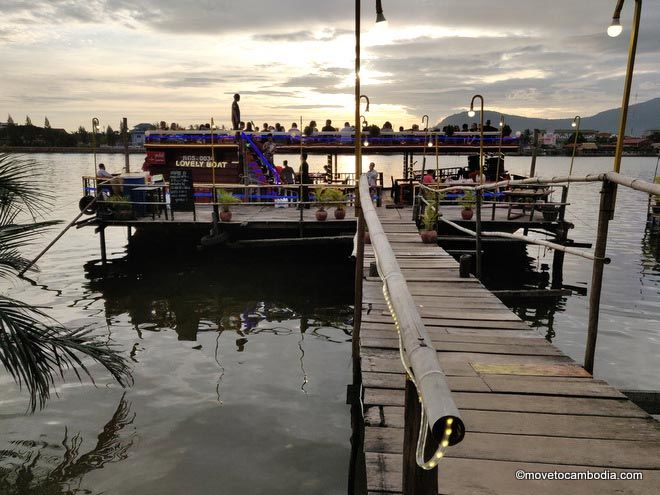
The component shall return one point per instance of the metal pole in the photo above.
(359, 258)
(623, 116)
(607, 203)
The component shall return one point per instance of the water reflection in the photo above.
(651, 252)
(243, 296)
(38, 468)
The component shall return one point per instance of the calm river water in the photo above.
(241, 364)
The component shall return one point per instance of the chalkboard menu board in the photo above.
(181, 190)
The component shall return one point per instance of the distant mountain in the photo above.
(641, 117)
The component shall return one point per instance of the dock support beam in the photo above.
(478, 233)
(416, 481)
(607, 199)
(104, 257)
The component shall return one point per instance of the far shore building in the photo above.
(137, 134)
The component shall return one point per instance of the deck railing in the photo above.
(609, 180)
(429, 403)
(159, 200)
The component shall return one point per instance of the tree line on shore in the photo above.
(30, 135)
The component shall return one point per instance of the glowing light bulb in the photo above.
(615, 29)
(445, 443)
(429, 144)
(439, 455)
(366, 143)
(471, 113)
(573, 124)
(450, 421)
(448, 431)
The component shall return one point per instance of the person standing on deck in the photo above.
(372, 179)
(236, 112)
(288, 175)
(304, 179)
(268, 148)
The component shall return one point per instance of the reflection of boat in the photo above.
(215, 300)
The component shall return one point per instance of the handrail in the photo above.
(439, 412)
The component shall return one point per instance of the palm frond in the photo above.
(22, 185)
(14, 237)
(34, 349)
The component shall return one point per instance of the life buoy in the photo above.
(86, 205)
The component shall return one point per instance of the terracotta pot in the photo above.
(429, 236)
(340, 214)
(467, 214)
(321, 215)
(225, 216)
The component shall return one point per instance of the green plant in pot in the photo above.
(330, 196)
(429, 220)
(120, 207)
(467, 202)
(225, 199)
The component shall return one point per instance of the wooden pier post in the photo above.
(532, 167)
(607, 198)
(104, 257)
(561, 236)
(416, 481)
(124, 135)
(478, 234)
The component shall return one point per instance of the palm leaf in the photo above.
(34, 349)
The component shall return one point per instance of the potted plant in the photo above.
(120, 207)
(334, 197)
(225, 199)
(429, 219)
(467, 201)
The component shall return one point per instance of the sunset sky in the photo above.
(181, 61)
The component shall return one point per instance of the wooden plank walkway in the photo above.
(525, 404)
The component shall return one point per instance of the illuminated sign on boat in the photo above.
(199, 161)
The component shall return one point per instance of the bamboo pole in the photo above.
(58, 237)
(417, 345)
(527, 239)
(623, 114)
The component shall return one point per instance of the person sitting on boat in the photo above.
(429, 177)
(105, 177)
(346, 133)
(328, 126)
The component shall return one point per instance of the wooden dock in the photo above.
(526, 405)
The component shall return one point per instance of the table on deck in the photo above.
(526, 197)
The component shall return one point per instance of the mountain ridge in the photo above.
(641, 118)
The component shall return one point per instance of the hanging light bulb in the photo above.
(430, 143)
(573, 124)
(366, 143)
(471, 113)
(615, 29)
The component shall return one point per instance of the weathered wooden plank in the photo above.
(554, 425)
(529, 369)
(445, 346)
(397, 381)
(449, 322)
(441, 335)
(458, 476)
(475, 314)
(621, 454)
(591, 401)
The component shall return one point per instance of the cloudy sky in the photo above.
(181, 61)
